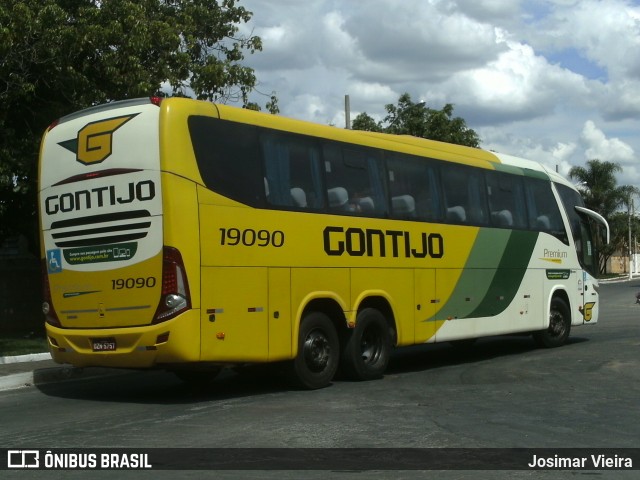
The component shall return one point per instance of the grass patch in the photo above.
(17, 345)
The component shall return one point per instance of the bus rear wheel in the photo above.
(318, 352)
(367, 350)
(559, 326)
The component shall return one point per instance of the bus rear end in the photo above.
(113, 291)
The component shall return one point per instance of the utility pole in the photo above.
(630, 208)
(347, 112)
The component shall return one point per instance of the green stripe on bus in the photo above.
(484, 290)
(526, 172)
(511, 271)
(477, 275)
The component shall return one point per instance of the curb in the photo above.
(42, 376)
(53, 375)
(33, 357)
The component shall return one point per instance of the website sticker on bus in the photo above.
(102, 253)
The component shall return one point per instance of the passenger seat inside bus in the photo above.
(366, 204)
(456, 214)
(403, 206)
(503, 218)
(338, 197)
(299, 197)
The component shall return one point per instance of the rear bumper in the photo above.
(172, 342)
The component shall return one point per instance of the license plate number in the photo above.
(104, 344)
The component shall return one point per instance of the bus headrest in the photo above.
(338, 196)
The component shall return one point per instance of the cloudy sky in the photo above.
(557, 81)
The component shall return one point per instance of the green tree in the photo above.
(599, 187)
(410, 118)
(601, 193)
(365, 122)
(59, 56)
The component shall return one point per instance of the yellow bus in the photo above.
(190, 236)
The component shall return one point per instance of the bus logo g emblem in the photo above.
(587, 311)
(94, 142)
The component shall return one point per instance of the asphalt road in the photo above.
(503, 393)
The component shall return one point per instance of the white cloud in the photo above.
(417, 42)
(606, 32)
(556, 81)
(597, 145)
(518, 84)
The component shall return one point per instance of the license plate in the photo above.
(103, 344)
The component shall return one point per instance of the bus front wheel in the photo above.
(366, 353)
(559, 326)
(318, 352)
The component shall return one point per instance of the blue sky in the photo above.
(556, 81)
(572, 59)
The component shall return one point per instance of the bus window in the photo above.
(227, 157)
(292, 171)
(580, 228)
(354, 180)
(544, 214)
(506, 200)
(465, 195)
(413, 188)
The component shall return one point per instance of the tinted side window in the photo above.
(228, 157)
(292, 171)
(413, 188)
(465, 194)
(580, 228)
(571, 198)
(544, 213)
(506, 200)
(354, 180)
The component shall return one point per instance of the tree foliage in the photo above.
(601, 193)
(410, 118)
(59, 56)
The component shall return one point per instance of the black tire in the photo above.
(559, 326)
(367, 350)
(318, 352)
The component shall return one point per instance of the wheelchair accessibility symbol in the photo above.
(54, 260)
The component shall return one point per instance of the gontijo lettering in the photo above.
(357, 242)
(98, 197)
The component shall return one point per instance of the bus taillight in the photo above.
(50, 315)
(175, 297)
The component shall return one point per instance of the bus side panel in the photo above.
(448, 309)
(425, 299)
(234, 314)
(280, 339)
(528, 312)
